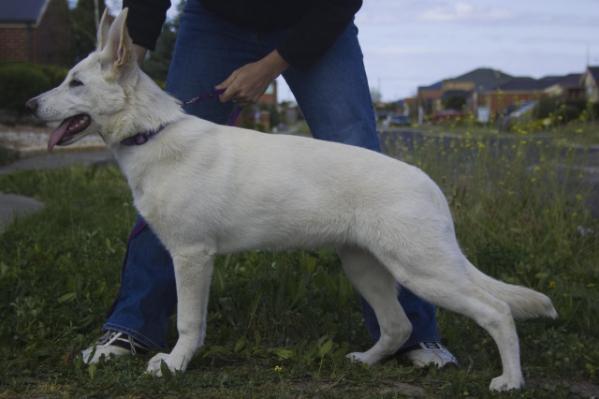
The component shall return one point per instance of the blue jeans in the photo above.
(335, 100)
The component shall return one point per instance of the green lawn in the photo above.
(574, 133)
(280, 324)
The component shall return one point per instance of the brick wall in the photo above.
(16, 44)
(500, 101)
(47, 43)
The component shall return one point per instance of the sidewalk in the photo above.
(13, 206)
(58, 159)
(34, 139)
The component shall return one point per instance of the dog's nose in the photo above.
(31, 104)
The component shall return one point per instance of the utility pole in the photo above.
(96, 14)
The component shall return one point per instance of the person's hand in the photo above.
(248, 83)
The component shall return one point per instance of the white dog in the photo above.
(207, 189)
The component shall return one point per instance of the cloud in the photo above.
(463, 11)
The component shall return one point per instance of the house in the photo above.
(270, 95)
(590, 82)
(515, 92)
(460, 91)
(567, 87)
(35, 31)
(429, 97)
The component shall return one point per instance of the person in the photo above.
(241, 46)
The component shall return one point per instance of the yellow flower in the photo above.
(552, 284)
(278, 369)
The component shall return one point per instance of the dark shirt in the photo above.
(313, 25)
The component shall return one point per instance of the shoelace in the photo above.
(122, 340)
(440, 351)
(431, 345)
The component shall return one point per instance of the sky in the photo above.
(411, 43)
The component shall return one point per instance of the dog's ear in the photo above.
(102, 34)
(118, 49)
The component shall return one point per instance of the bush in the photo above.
(55, 73)
(592, 111)
(21, 81)
(560, 111)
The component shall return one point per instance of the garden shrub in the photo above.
(55, 73)
(21, 81)
(560, 111)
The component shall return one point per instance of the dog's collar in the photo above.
(142, 137)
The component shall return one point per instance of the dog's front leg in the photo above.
(193, 273)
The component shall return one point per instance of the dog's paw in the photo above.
(171, 362)
(360, 357)
(503, 383)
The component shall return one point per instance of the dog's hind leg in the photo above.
(441, 278)
(193, 274)
(379, 289)
(494, 316)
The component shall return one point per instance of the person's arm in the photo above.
(145, 20)
(248, 83)
(304, 45)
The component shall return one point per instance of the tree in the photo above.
(157, 64)
(455, 102)
(375, 94)
(83, 23)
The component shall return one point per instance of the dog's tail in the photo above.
(523, 302)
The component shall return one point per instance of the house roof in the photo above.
(435, 86)
(484, 78)
(594, 71)
(570, 81)
(528, 84)
(22, 11)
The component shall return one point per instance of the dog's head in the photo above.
(95, 90)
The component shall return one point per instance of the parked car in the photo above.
(399, 120)
(447, 115)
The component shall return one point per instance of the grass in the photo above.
(280, 324)
(574, 133)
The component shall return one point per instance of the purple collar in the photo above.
(143, 137)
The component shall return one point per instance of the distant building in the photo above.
(486, 92)
(511, 94)
(590, 82)
(270, 95)
(429, 97)
(463, 89)
(567, 87)
(35, 31)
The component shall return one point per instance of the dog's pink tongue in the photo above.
(57, 134)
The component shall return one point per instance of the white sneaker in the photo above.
(431, 354)
(112, 343)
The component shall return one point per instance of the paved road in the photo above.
(12, 206)
(59, 159)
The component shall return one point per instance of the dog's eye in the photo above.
(75, 83)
